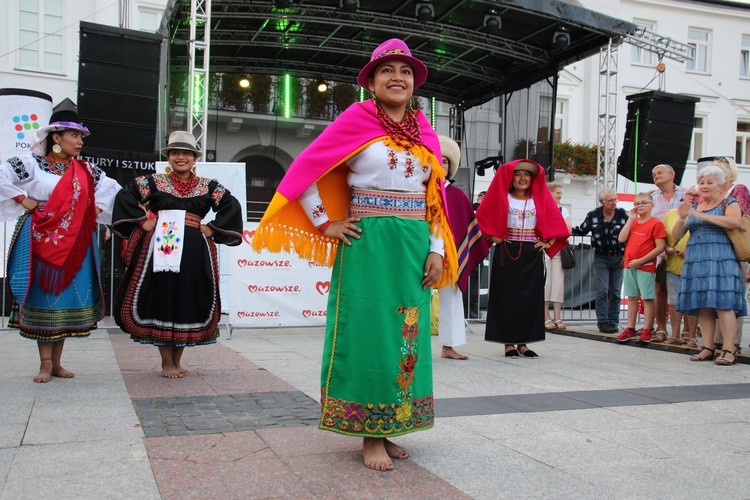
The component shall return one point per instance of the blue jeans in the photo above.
(609, 282)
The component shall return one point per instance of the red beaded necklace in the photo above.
(56, 166)
(183, 188)
(405, 133)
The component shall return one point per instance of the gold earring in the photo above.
(57, 149)
(195, 170)
(167, 169)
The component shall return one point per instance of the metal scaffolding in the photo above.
(198, 89)
(606, 168)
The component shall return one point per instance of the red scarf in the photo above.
(492, 214)
(61, 232)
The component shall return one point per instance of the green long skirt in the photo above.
(376, 379)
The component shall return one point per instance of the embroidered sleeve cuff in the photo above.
(19, 198)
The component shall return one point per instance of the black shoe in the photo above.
(614, 328)
(512, 353)
(530, 354)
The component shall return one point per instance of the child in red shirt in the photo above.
(645, 238)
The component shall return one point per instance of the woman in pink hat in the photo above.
(53, 261)
(367, 198)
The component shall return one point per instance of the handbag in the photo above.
(740, 237)
(567, 257)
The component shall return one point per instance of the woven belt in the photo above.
(377, 203)
(192, 220)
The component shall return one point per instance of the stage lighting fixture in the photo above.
(349, 6)
(282, 4)
(322, 86)
(492, 162)
(492, 22)
(244, 82)
(561, 39)
(424, 11)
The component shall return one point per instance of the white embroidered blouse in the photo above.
(377, 167)
(30, 176)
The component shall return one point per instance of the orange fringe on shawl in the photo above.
(285, 226)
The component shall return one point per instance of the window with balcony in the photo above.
(40, 39)
(700, 40)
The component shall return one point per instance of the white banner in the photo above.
(275, 289)
(22, 113)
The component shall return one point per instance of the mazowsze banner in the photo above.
(275, 289)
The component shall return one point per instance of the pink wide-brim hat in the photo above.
(394, 48)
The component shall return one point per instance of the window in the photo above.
(700, 41)
(640, 55)
(40, 24)
(148, 20)
(745, 57)
(742, 149)
(545, 111)
(698, 142)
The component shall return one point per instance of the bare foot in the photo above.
(171, 373)
(450, 353)
(375, 454)
(395, 451)
(182, 371)
(59, 371)
(45, 371)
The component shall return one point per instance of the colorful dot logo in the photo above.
(24, 124)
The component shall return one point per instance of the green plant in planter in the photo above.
(232, 95)
(317, 102)
(178, 87)
(573, 158)
(343, 95)
(260, 92)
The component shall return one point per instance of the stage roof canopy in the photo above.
(468, 63)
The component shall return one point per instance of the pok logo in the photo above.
(25, 124)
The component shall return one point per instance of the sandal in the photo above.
(451, 353)
(660, 336)
(549, 325)
(723, 361)
(673, 341)
(560, 325)
(690, 342)
(698, 357)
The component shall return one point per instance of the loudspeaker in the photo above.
(118, 87)
(658, 130)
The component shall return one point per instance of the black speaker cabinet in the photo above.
(118, 87)
(658, 130)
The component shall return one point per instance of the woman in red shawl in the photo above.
(520, 215)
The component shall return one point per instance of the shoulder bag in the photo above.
(740, 237)
(567, 257)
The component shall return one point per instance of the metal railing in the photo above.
(579, 299)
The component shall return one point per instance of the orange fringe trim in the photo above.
(280, 238)
(313, 246)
